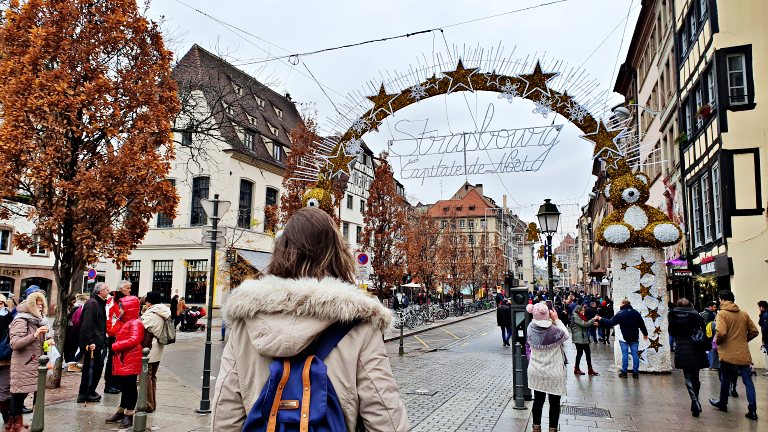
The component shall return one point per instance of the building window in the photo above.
(696, 227)
(37, 248)
(687, 118)
(737, 79)
(248, 140)
(277, 152)
(162, 277)
(362, 205)
(471, 225)
(442, 224)
(272, 129)
(471, 239)
(6, 238)
(705, 208)
(186, 138)
(259, 101)
(163, 220)
(359, 234)
(345, 230)
(683, 41)
(199, 191)
(699, 103)
(197, 281)
(462, 223)
(279, 112)
(350, 203)
(718, 211)
(132, 273)
(228, 109)
(238, 89)
(251, 119)
(694, 33)
(271, 196)
(711, 87)
(245, 206)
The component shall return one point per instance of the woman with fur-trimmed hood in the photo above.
(309, 288)
(26, 335)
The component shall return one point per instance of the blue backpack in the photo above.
(298, 395)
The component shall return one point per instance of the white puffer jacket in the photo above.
(154, 321)
(274, 317)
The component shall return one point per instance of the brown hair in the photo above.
(683, 302)
(311, 246)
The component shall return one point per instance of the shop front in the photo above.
(14, 279)
(713, 274)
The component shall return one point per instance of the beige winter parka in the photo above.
(734, 329)
(154, 322)
(274, 317)
(26, 347)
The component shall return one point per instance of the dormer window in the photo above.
(272, 129)
(238, 89)
(279, 112)
(445, 209)
(458, 208)
(248, 140)
(228, 109)
(251, 120)
(277, 153)
(260, 102)
(471, 207)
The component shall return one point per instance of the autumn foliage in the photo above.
(384, 232)
(302, 137)
(422, 248)
(87, 104)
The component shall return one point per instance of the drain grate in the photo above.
(421, 392)
(585, 411)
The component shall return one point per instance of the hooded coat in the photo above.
(546, 368)
(580, 328)
(733, 330)
(504, 315)
(278, 318)
(26, 347)
(683, 323)
(154, 322)
(127, 346)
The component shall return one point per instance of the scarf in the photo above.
(545, 338)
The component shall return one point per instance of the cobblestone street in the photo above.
(453, 378)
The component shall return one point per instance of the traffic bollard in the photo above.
(140, 417)
(38, 417)
(401, 351)
(517, 378)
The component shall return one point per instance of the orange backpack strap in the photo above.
(307, 392)
(272, 423)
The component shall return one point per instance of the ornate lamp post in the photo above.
(549, 217)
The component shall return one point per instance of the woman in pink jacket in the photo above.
(310, 287)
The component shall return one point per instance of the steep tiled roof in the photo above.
(472, 204)
(252, 105)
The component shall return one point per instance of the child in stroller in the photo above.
(190, 317)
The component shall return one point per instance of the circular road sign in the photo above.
(362, 259)
(92, 274)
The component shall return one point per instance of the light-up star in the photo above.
(382, 101)
(645, 267)
(611, 160)
(460, 78)
(624, 266)
(653, 314)
(338, 161)
(644, 291)
(603, 139)
(537, 81)
(655, 344)
(657, 331)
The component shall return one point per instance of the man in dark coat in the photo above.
(591, 312)
(504, 320)
(690, 355)
(631, 324)
(93, 335)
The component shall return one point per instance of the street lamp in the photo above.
(549, 216)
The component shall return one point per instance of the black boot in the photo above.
(722, 406)
(695, 406)
(751, 412)
(116, 417)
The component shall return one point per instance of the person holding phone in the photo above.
(26, 336)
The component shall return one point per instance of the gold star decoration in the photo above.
(659, 298)
(655, 344)
(537, 81)
(338, 161)
(611, 159)
(604, 140)
(382, 101)
(645, 267)
(644, 291)
(624, 266)
(657, 330)
(460, 78)
(653, 314)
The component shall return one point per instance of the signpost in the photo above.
(362, 266)
(214, 236)
(91, 275)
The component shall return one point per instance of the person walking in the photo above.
(154, 318)
(708, 315)
(309, 287)
(580, 326)
(734, 329)
(546, 367)
(93, 332)
(126, 366)
(26, 336)
(174, 307)
(687, 327)
(5, 362)
(504, 320)
(631, 325)
(762, 306)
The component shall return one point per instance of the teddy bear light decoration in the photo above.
(637, 233)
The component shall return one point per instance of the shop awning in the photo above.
(258, 260)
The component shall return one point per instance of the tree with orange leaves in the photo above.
(87, 103)
(384, 231)
(423, 234)
(303, 136)
(453, 254)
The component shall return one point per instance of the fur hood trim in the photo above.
(326, 299)
(29, 306)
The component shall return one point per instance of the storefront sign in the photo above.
(9, 272)
(721, 265)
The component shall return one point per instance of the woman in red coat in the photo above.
(126, 364)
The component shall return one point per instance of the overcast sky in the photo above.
(576, 32)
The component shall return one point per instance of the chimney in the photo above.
(479, 188)
(504, 202)
(288, 96)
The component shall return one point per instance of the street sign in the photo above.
(208, 240)
(220, 231)
(362, 266)
(92, 274)
(362, 258)
(208, 207)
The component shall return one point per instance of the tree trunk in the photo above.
(66, 282)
